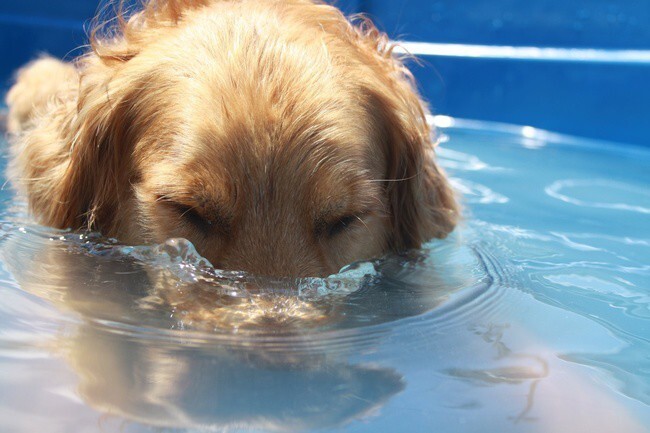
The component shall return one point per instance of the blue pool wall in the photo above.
(602, 100)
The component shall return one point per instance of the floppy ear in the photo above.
(71, 157)
(421, 201)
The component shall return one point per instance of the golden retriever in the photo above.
(277, 136)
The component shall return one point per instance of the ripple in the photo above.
(581, 192)
(477, 193)
(460, 161)
(168, 291)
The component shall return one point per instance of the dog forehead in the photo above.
(268, 113)
(300, 147)
(279, 130)
(248, 175)
(281, 165)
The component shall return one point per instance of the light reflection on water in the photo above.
(533, 316)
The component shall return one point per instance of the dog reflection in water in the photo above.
(292, 384)
(244, 386)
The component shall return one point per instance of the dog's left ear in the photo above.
(421, 202)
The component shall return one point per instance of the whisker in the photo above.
(364, 223)
(189, 209)
(395, 180)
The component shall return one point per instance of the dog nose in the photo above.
(279, 268)
(274, 244)
(271, 262)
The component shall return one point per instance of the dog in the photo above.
(279, 137)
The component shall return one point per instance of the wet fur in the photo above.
(275, 135)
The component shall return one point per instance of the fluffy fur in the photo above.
(275, 135)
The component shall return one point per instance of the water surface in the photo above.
(534, 316)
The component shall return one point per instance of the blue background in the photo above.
(599, 100)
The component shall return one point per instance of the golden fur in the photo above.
(275, 135)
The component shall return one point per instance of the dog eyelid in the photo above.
(194, 216)
(334, 227)
(340, 225)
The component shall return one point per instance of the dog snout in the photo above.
(275, 266)
(272, 259)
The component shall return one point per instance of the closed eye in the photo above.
(331, 228)
(340, 225)
(191, 215)
(207, 217)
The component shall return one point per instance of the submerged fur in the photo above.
(275, 135)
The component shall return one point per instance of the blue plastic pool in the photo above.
(534, 316)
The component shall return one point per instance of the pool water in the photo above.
(534, 316)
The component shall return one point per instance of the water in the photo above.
(534, 316)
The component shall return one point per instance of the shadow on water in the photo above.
(158, 337)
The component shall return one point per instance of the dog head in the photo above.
(276, 136)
